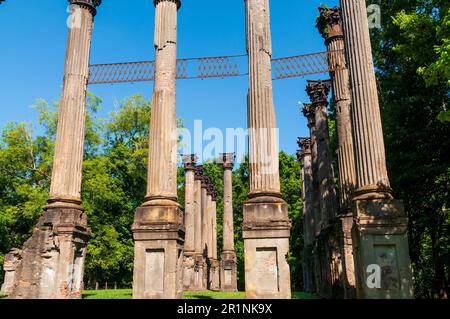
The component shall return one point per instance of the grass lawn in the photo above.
(127, 294)
(2, 296)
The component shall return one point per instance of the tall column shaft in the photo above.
(379, 233)
(330, 25)
(228, 269)
(266, 227)
(162, 169)
(371, 179)
(330, 20)
(309, 113)
(190, 204)
(205, 218)
(318, 92)
(69, 145)
(214, 228)
(198, 217)
(52, 259)
(158, 228)
(263, 136)
(308, 211)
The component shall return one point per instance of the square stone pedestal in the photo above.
(266, 232)
(348, 264)
(52, 261)
(158, 233)
(228, 272)
(381, 252)
(189, 272)
(214, 275)
(12, 260)
(199, 273)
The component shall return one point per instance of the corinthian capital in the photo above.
(90, 4)
(178, 2)
(190, 161)
(305, 147)
(318, 91)
(329, 22)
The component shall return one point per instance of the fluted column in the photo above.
(263, 135)
(158, 228)
(190, 208)
(162, 167)
(198, 210)
(189, 222)
(266, 222)
(228, 269)
(371, 179)
(199, 259)
(205, 216)
(227, 220)
(310, 114)
(330, 26)
(52, 259)
(65, 187)
(304, 156)
(318, 92)
(380, 223)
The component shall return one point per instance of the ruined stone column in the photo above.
(330, 26)
(310, 114)
(199, 260)
(158, 226)
(189, 222)
(228, 268)
(12, 260)
(380, 225)
(215, 265)
(266, 226)
(52, 259)
(209, 239)
(318, 92)
(205, 229)
(304, 156)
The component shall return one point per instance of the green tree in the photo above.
(412, 63)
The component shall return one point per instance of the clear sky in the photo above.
(33, 42)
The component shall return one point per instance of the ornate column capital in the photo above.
(318, 91)
(190, 161)
(227, 160)
(329, 22)
(310, 113)
(198, 173)
(178, 2)
(90, 4)
(210, 187)
(305, 147)
(206, 181)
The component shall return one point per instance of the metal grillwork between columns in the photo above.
(211, 67)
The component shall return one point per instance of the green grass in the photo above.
(127, 294)
(2, 296)
(214, 295)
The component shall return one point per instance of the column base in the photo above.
(188, 272)
(381, 252)
(348, 263)
(214, 275)
(228, 272)
(266, 232)
(158, 234)
(51, 262)
(199, 273)
(12, 260)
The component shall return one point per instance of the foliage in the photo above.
(412, 59)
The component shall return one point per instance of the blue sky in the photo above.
(33, 41)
